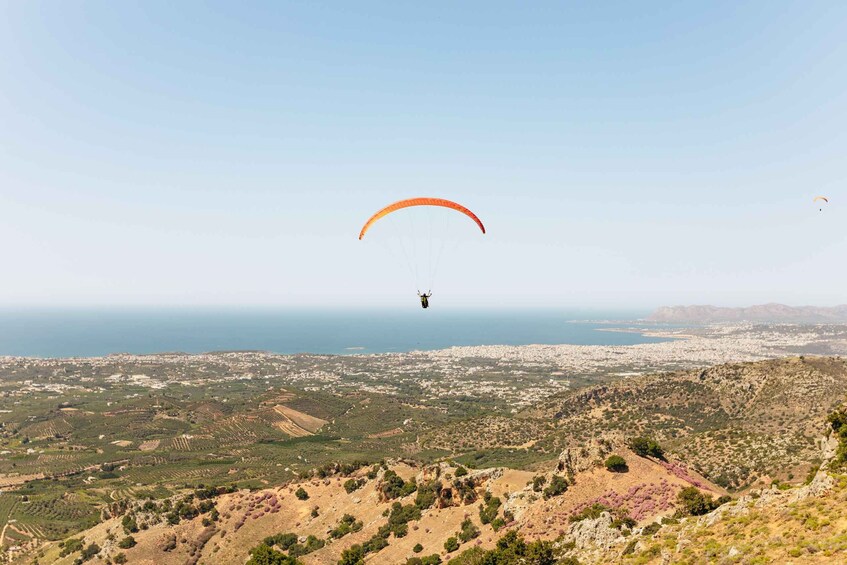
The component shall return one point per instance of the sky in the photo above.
(621, 154)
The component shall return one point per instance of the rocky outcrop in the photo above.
(596, 533)
(575, 460)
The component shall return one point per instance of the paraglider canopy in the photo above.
(821, 198)
(420, 202)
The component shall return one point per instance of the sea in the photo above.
(98, 332)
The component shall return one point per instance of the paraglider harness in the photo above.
(425, 298)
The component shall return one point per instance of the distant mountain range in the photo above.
(760, 313)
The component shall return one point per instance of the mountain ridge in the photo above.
(771, 312)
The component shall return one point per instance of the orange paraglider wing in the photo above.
(420, 202)
(824, 198)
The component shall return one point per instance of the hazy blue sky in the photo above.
(621, 154)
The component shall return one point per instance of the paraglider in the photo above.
(411, 257)
(819, 198)
(419, 202)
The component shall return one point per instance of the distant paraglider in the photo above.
(415, 254)
(821, 199)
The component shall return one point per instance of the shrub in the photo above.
(119, 558)
(283, 541)
(695, 503)
(90, 551)
(623, 521)
(312, 544)
(70, 546)
(418, 548)
(488, 511)
(511, 549)
(129, 524)
(645, 446)
(616, 464)
(127, 542)
(264, 555)
(393, 486)
(558, 485)
(589, 513)
(460, 471)
(301, 494)
(351, 485)
(538, 483)
(355, 555)
(427, 494)
(451, 545)
(651, 529)
(468, 531)
(346, 525)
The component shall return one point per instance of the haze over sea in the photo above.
(97, 332)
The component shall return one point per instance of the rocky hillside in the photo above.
(649, 512)
(760, 313)
(391, 510)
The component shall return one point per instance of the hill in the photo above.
(203, 473)
(761, 313)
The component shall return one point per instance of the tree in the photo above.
(90, 551)
(351, 485)
(129, 524)
(451, 545)
(694, 502)
(301, 494)
(264, 555)
(616, 464)
(538, 482)
(468, 531)
(355, 555)
(646, 447)
(119, 558)
(460, 471)
(418, 548)
(127, 542)
(427, 494)
(558, 485)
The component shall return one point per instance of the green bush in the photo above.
(427, 494)
(468, 531)
(558, 485)
(538, 482)
(590, 513)
(460, 471)
(355, 555)
(651, 529)
(451, 545)
(488, 510)
(283, 541)
(511, 550)
(351, 485)
(616, 464)
(90, 551)
(265, 555)
(694, 503)
(418, 548)
(646, 447)
(301, 494)
(129, 524)
(127, 542)
(393, 486)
